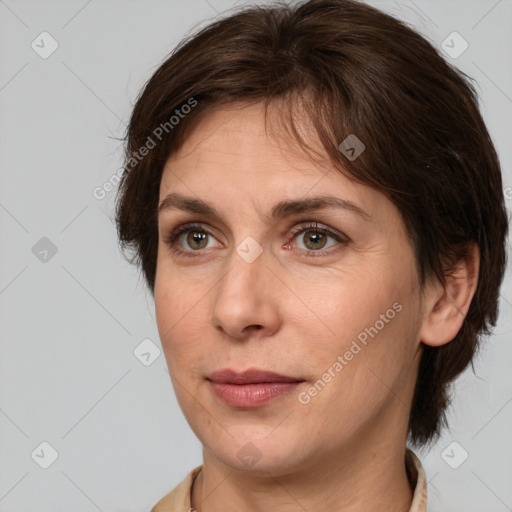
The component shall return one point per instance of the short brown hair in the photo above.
(353, 70)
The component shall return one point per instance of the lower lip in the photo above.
(252, 395)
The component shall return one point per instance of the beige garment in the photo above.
(178, 500)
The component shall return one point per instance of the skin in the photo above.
(294, 315)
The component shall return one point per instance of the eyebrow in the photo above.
(280, 210)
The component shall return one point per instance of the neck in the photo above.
(367, 476)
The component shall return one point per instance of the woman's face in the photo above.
(337, 308)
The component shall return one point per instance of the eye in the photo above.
(314, 239)
(190, 238)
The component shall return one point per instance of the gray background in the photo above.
(70, 323)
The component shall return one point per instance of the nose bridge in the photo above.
(247, 265)
(243, 297)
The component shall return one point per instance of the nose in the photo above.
(247, 302)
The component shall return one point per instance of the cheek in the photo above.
(175, 296)
(174, 312)
(339, 308)
(370, 321)
(182, 317)
(379, 353)
(369, 381)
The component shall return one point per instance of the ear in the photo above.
(446, 307)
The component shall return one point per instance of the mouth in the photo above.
(251, 376)
(250, 388)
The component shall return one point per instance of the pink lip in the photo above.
(251, 376)
(251, 388)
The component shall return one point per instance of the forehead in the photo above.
(233, 143)
(233, 157)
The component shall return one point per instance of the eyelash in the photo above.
(173, 237)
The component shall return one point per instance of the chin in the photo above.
(257, 449)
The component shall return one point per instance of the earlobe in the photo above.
(445, 308)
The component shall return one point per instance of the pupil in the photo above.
(195, 238)
(316, 238)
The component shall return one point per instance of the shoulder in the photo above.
(178, 500)
(418, 481)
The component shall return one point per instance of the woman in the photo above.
(317, 208)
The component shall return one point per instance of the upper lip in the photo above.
(250, 376)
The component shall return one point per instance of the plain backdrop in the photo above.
(74, 313)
